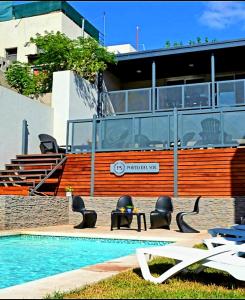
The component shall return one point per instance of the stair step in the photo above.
(31, 182)
(35, 160)
(33, 176)
(11, 171)
(58, 155)
(48, 165)
(19, 183)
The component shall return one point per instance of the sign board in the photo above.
(119, 168)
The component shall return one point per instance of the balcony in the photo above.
(166, 98)
(131, 123)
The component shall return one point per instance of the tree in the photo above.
(85, 56)
(167, 44)
(199, 40)
(57, 52)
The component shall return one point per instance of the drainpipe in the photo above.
(100, 94)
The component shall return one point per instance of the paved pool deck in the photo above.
(67, 281)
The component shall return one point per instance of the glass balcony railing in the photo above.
(230, 93)
(189, 96)
(127, 101)
(183, 96)
(222, 127)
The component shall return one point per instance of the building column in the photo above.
(213, 79)
(153, 86)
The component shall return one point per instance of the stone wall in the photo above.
(36, 211)
(214, 212)
(30, 212)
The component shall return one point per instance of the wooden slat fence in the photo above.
(207, 172)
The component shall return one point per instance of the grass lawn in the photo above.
(209, 284)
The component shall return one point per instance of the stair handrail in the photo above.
(47, 176)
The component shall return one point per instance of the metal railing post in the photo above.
(93, 156)
(25, 134)
(175, 152)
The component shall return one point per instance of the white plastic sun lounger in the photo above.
(217, 241)
(223, 258)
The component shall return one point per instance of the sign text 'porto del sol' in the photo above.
(119, 168)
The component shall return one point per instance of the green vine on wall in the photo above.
(57, 52)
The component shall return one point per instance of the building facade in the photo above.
(24, 21)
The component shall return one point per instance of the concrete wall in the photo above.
(72, 98)
(14, 109)
(111, 82)
(30, 212)
(25, 212)
(71, 29)
(123, 48)
(214, 212)
(23, 29)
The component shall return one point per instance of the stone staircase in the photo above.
(33, 173)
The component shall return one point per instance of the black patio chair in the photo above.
(162, 215)
(125, 220)
(89, 216)
(48, 144)
(183, 226)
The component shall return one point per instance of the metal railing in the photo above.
(189, 96)
(184, 96)
(209, 128)
(230, 93)
(219, 127)
(128, 101)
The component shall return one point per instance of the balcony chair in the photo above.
(183, 226)
(48, 144)
(89, 216)
(125, 220)
(211, 133)
(162, 215)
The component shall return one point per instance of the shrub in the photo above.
(57, 52)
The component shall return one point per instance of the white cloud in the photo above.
(221, 14)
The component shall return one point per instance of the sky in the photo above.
(161, 21)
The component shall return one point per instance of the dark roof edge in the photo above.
(180, 50)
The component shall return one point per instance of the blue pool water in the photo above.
(25, 258)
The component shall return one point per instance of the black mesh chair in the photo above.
(48, 144)
(183, 226)
(125, 220)
(89, 216)
(162, 215)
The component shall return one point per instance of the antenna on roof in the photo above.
(104, 26)
(137, 38)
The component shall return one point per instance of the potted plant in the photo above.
(69, 190)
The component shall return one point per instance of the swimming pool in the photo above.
(25, 258)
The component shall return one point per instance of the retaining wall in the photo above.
(18, 212)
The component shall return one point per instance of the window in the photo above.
(31, 58)
(11, 54)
